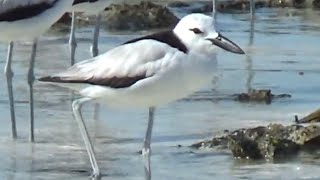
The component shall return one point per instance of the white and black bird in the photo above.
(92, 8)
(89, 8)
(147, 72)
(27, 20)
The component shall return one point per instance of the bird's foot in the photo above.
(146, 152)
(95, 176)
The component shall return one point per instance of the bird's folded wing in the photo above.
(120, 67)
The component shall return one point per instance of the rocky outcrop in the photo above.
(311, 118)
(191, 7)
(266, 142)
(145, 15)
(262, 95)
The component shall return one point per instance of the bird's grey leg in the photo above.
(146, 151)
(9, 75)
(76, 107)
(94, 47)
(30, 83)
(214, 14)
(72, 40)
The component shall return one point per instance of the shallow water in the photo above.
(284, 42)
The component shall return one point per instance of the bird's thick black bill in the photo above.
(226, 44)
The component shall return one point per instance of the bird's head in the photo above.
(197, 32)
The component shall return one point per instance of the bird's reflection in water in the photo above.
(13, 165)
(249, 63)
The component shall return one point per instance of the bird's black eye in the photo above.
(219, 38)
(196, 31)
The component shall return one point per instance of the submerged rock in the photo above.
(217, 142)
(263, 95)
(274, 141)
(234, 6)
(299, 3)
(178, 4)
(192, 7)
(239, 5)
